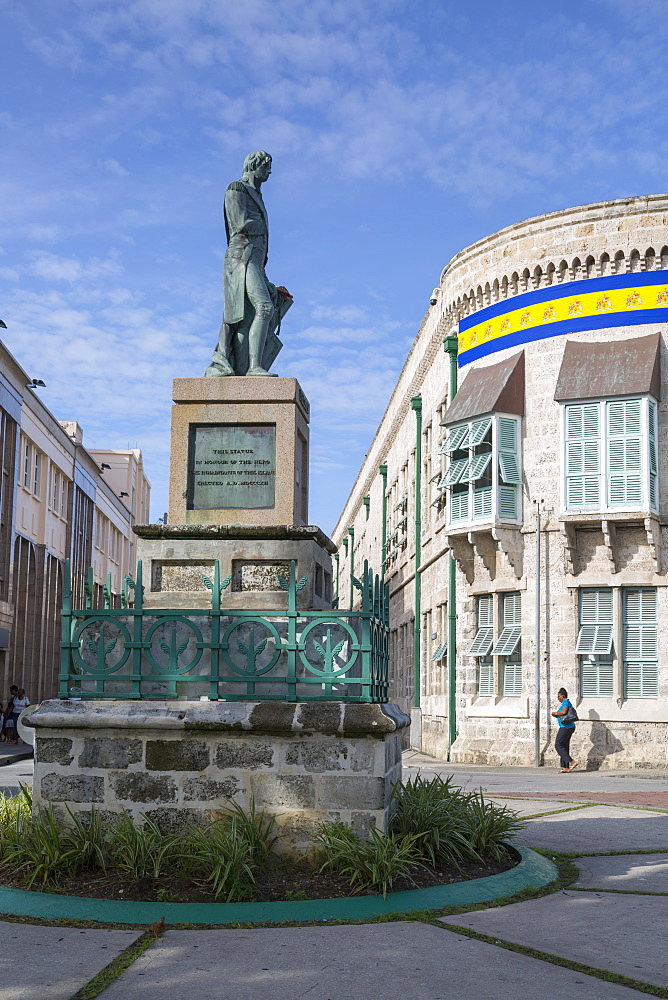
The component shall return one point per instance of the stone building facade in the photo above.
(559, 326)
(57, 500)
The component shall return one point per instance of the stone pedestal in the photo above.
(175, 558)
(184, 762)
(239, 452)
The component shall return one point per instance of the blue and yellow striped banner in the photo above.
(589, 304)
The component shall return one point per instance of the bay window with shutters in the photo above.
(483, 475)
(508, 645)
(594, 643)
(611, 455)
(640, 639)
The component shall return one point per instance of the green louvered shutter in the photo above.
(485, 677)
(459, 506)
(510, 474)
(594, 643)
(482, 503)
(624, 420)
(482, 643)
(641, 641)
(457, 438)
(583, 455)
(511, 632)
(653, 464)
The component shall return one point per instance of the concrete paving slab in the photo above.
(52, 963)
(618, 933)
(598, 828)
(364, 962)
(628, 872)
(529, 807)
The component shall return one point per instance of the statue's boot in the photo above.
(257, 370)
(219, 368)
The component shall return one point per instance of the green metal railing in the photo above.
(225, 653)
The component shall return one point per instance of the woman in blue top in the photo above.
(566, 730)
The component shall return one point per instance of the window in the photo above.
(482, 645)
(640, 638)
(63, 495)
(37, 473)
(483, 474)
(508, 645)
(26, 466)
(611, 455)
(594, 645)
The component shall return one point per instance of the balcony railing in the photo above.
(223, 653)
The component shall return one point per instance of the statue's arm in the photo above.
(240, 217)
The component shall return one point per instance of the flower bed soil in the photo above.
(278, 880)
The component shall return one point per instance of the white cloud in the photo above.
(113, 167)
(52, 267)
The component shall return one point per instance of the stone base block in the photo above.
(184, 762)
(175, 557)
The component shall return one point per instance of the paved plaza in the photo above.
(610, 920)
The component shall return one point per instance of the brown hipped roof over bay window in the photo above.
(493, 389)
(591, 369)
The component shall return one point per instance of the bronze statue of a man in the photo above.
(248, 341)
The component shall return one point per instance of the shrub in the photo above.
(372, 864)
(255, 829)
(142, 851)
(449, 825)
(38, 846)
(87, 838)
(220, 855)
(436, 815)
(490, 825)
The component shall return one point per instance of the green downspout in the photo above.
(416, 403)
(450, 345)
(336, 559)
(351, 532)
(382, 470)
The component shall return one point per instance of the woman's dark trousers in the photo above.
(562, 744)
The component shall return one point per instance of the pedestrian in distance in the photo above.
(8, 714)
(566, 716)
(20, 703)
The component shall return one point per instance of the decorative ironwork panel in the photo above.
(226, 653)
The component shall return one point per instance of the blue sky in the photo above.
(400, 132)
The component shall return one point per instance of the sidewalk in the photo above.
(611, 919)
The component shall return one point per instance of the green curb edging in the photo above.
(534, 870)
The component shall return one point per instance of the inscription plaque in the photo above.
(232, 467)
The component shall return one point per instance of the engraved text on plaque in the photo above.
(232, 467)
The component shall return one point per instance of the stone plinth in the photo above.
(239, 452)
(175, 557)
(183, 762)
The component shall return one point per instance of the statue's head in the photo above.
(258, 164)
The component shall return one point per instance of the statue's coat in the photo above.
(246, 225)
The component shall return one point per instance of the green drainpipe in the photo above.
(450, 345)
(336, 560)
(416, 403)
(351, 532)
(382, 471)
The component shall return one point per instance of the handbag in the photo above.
(571, 716)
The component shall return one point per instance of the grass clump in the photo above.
(369, 864)
(432, 823)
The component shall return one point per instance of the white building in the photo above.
(560, 325)
(57, 500)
